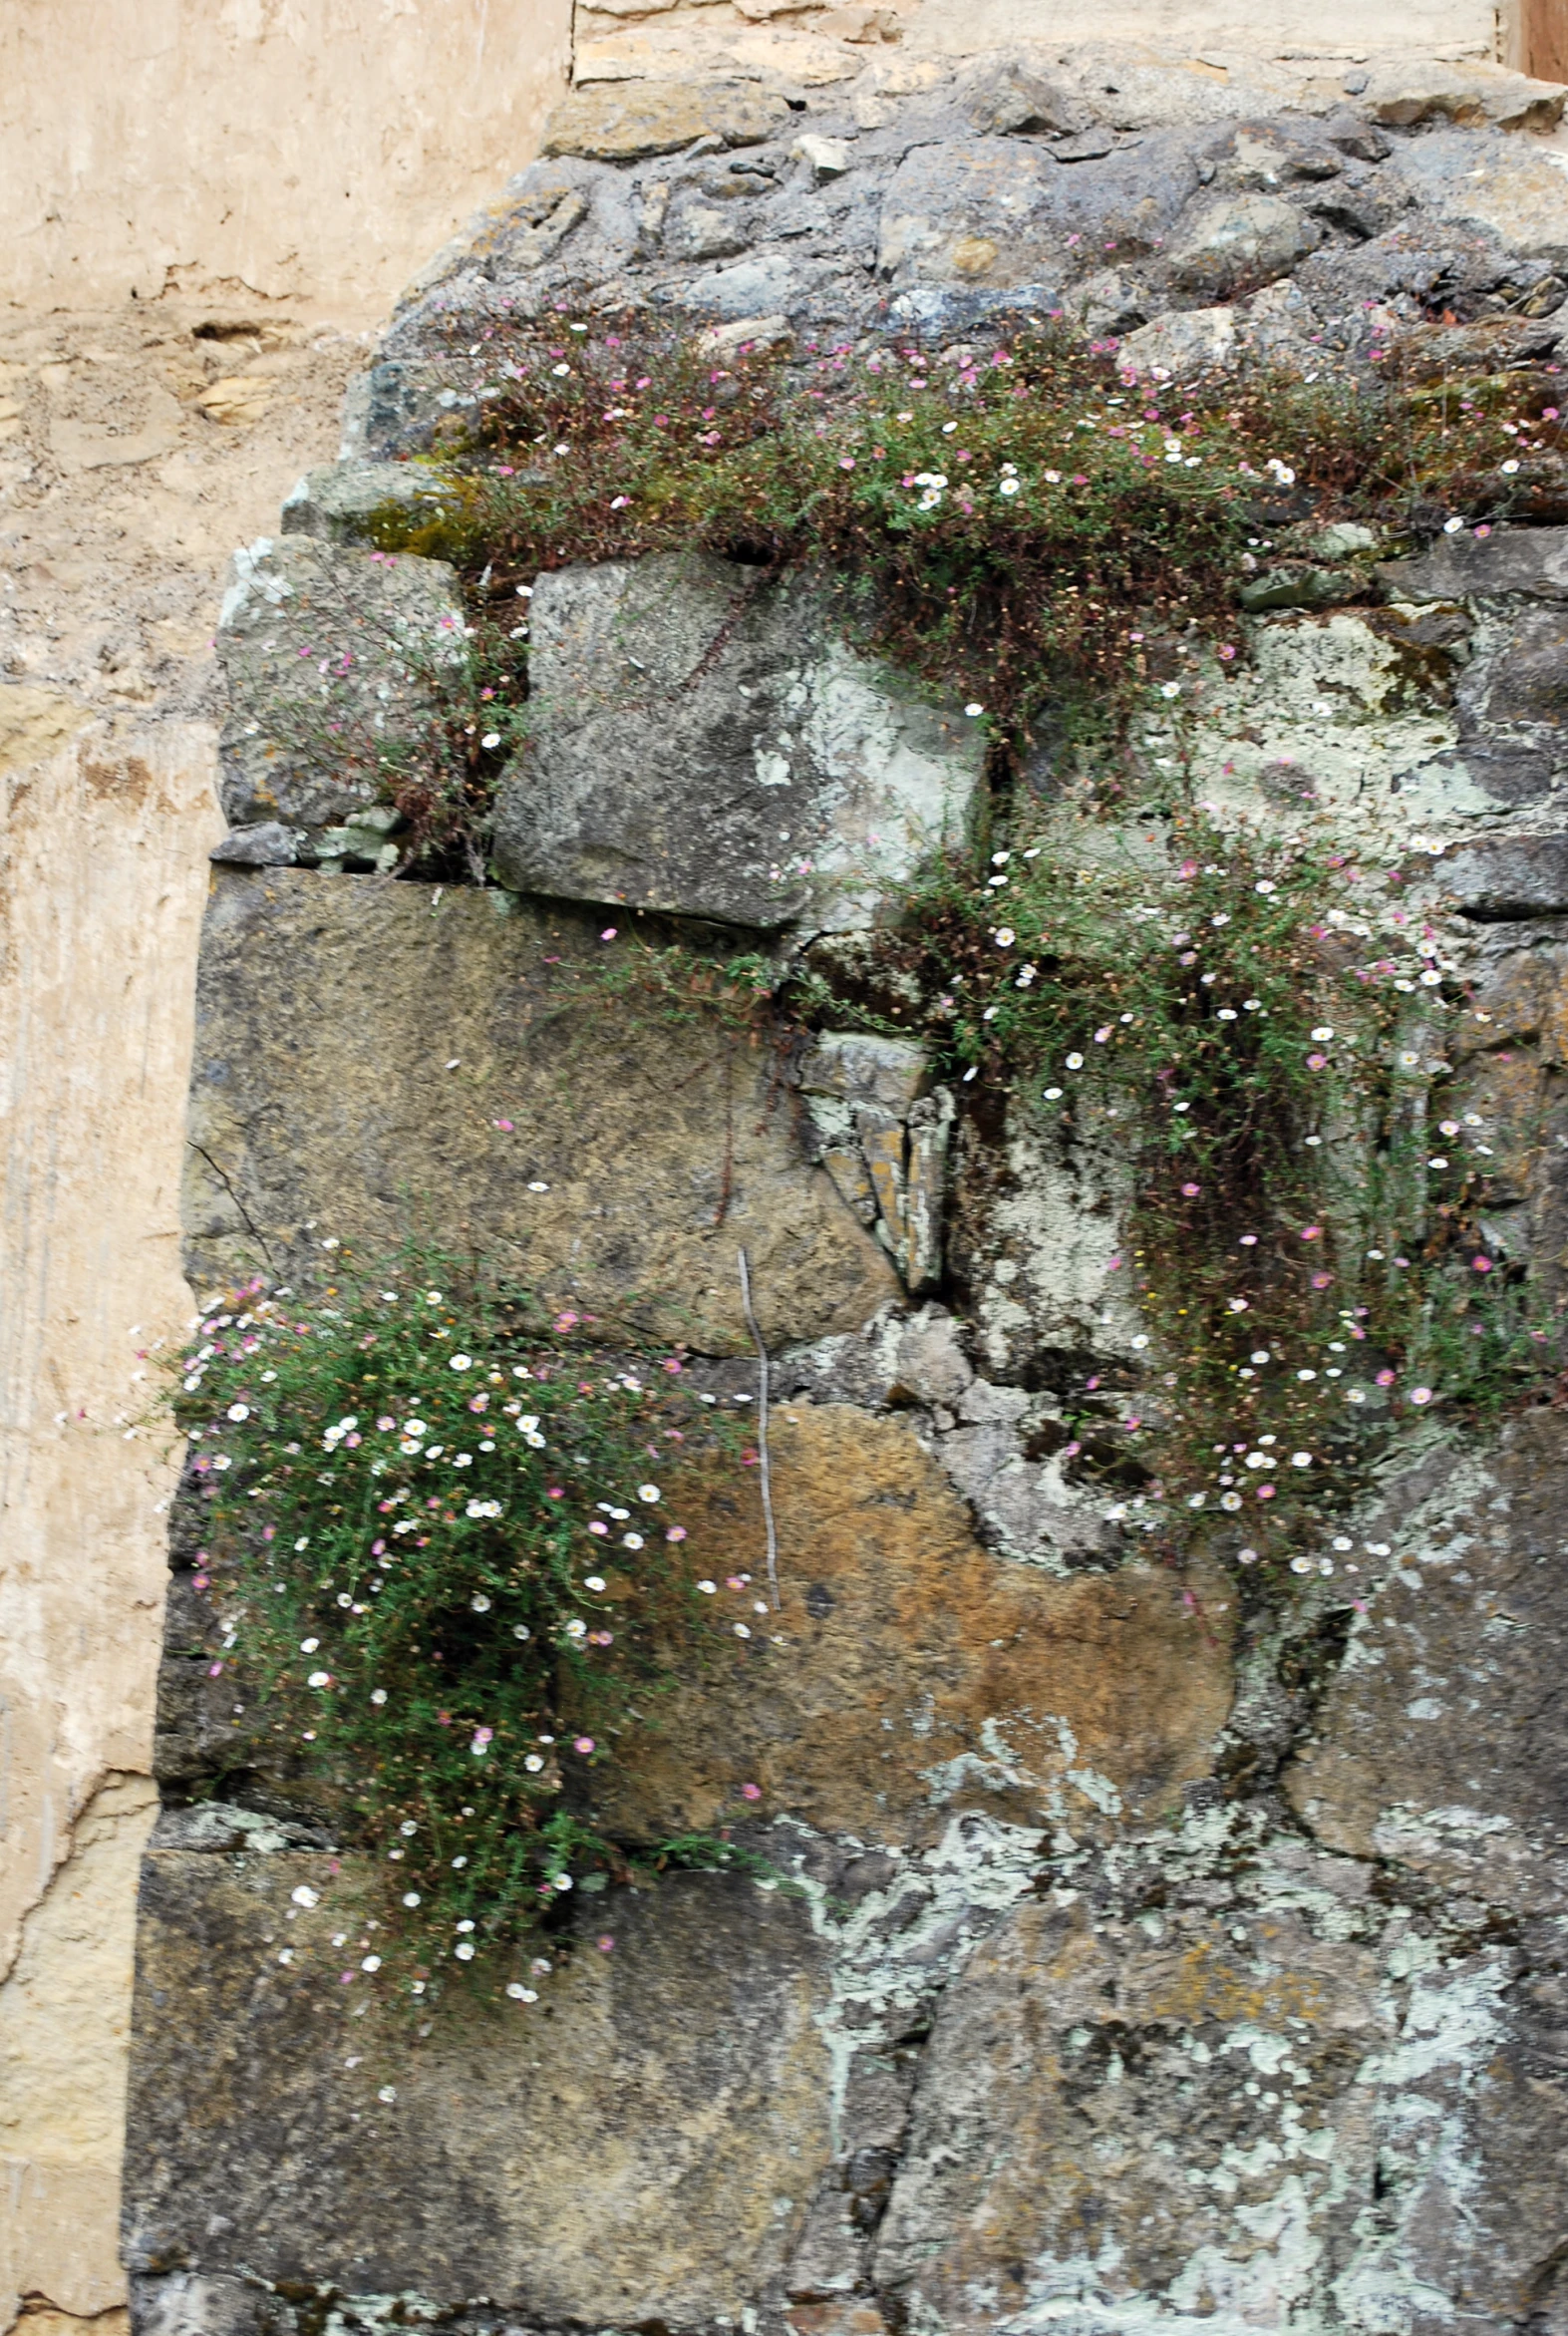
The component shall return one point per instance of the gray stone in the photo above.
(324, 650)
(1297, 587)
(512, 2148)
(338, 501)
(1509, 878)
(1084, 145)
(705, 743)
(1188, 341)
(190, 2303)
(624, 121)
(1510, 560)
(928, 1364)
(1108, 302)
(1439, 1744)
(269, 845)
(1507, 187)
(1007, 97)
(769, 285)
(1244, 242)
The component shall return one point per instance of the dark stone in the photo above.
(1511, 559)
(1506, 878)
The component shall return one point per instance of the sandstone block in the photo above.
(621, 122)
(1190, 340)
(523, 2151)
(704, 743)
(329, 1010)
(1414, 91)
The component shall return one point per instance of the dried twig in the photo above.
(762, 1431)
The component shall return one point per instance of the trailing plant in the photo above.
(1254, 1033)
(1026, 524)
(447, 1548)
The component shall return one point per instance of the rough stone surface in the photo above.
(313, 641)
(917, 1677)
(1249, 241)
(614, 123)
(336, 500)
(517, 2160)
(268, 844)
(1514, 559)
(701, 742)
(430, 1019)
(1511, 878)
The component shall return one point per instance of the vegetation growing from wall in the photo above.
(447, 1545)
(1024, 525)
(1262, 1030)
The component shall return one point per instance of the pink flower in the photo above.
(1387, 1378)
(1311, 1232)
(385, 1426)
(1316, 1062)
(751, 1792)
(677, 1533)
(505, 1127)
(605, 1944)
(1481, 1264)
(609, 933)
(1191, 1191)
(1228, 651)
(1321, 1281)
(1420, 1395)
(1265, 1492)
(582, 1744)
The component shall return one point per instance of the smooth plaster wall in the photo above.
(286, 149)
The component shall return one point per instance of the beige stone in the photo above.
(659, 118)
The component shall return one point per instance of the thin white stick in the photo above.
(761, 1432)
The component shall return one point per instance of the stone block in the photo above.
(268, 844)
(1458, 567)
(704, 742)
(1244, 242)
(1189, 340)
(1507, 877)
(358, 1044)
(337, 502)
(1415, 91)
(617, 2149)
(622, 121)
(1444, 1743)
(320, 645)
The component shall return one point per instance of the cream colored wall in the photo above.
(289, 161)
(292, 149)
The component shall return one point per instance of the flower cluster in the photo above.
(446, 1554)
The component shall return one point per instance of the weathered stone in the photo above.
(704, 742)
(1414, 91)
(1511, 559)
(337, 502)
(1436, 1745)
(915, 1676)
(1297, 586)
(1241, 244)
(620, 121)
(1510, 877)
(1435, 352)
(512, 2162)
(270, 844)
(824, 157)
(746, 332)
(1188, 341)
(851, 1066)
(1247, 2094)
(1510, 187)
(316, 642)
(434, 1016)
(1007, 97)
(947, 200)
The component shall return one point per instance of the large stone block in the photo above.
(638, 2145)
(375, 1057)
(620, 121)
(704, 742)
(914, 1676)
(320, 646)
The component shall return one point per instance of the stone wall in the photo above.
(1155, 1955)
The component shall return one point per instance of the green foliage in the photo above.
(1026, 525)
(1251, 1036)
(446, 1546)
